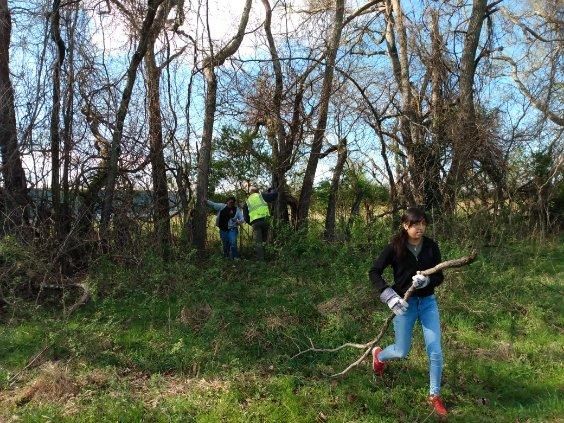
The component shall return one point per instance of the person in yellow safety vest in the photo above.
(257, 215)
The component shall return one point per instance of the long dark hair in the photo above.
(411, 216)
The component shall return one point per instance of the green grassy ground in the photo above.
(214, 341)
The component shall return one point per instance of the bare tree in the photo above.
(535, 72)
(15, 197)
(161, 213)
(280, 150)
(68, 114)
(211, 62)
(115, 148)
(279, 108)
(325, 95)
(466, 138)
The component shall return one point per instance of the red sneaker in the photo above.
(438, 405)
(377, 365)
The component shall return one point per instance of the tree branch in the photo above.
(543, 107)
(525, 28)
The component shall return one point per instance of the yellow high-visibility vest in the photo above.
(257, 207)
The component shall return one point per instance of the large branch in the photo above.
(543, 107)
(83, 299)
(214, 60)
(362, 10)
(369, 345)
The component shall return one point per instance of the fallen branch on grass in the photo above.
(82, 300)
(13, 379)
(369, 345)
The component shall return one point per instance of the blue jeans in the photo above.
(427, 311)
(229, 241)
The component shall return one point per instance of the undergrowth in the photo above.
(209, 340)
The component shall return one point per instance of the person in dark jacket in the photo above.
(408, 253)
(228, 219)
(257, 215)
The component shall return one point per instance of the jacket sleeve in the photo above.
(436, 278)
(215, 206)
(269, 197)
(375, 273)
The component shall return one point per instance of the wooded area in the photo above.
(351, 110)
(123, 123)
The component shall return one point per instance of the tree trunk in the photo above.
(279, 150)
(319, 134)
(355, 210)
(432, 181)
(15, 186)
(465, 140)
(394, 197)
(54, 131)
(68, 128)
(204, 159)
(332, 202)
(161, 214)
(398, 52)
(283, 162)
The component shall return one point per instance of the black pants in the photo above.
(260, 234)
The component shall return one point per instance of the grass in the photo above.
(214, 341)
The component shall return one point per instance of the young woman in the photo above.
(409, 252)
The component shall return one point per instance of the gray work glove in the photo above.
(394, 301)
(420, 281)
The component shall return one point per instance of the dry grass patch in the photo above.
(54, 383)
(280, 320)
(252, 333)
(500, 351)
(333, 305)
(195, 317)
(98, 378)
(170, 387)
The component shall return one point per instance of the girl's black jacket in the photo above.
(406, 267)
